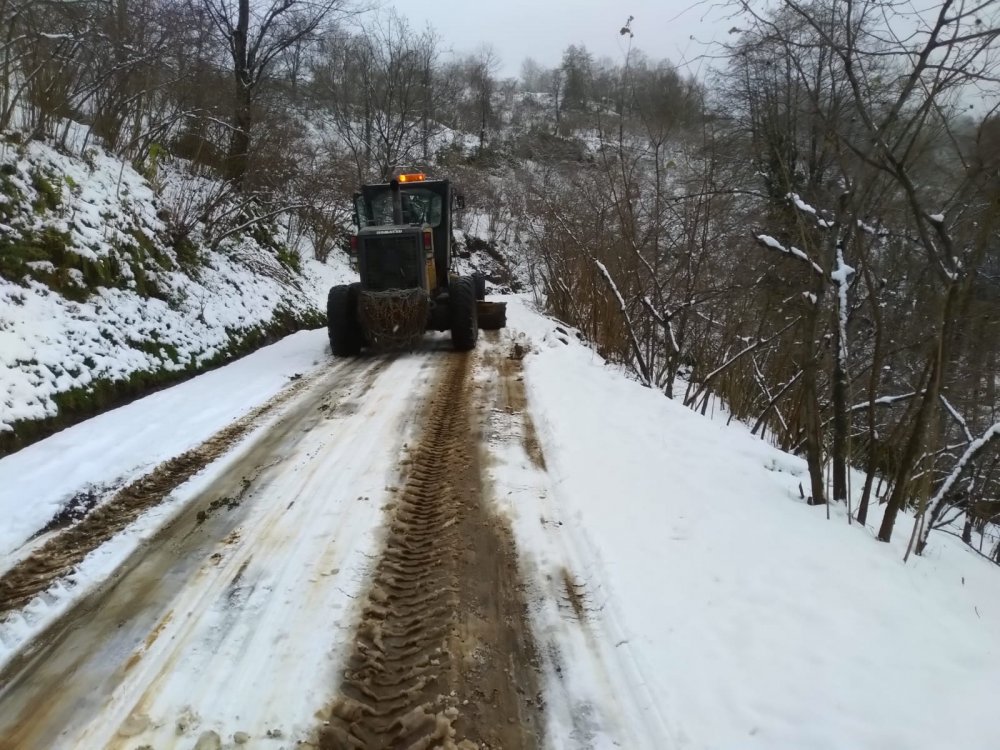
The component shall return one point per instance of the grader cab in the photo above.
(403, 248)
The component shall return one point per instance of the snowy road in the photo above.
(230, 618)
(517, 548)
(350, 579)
(343, 582)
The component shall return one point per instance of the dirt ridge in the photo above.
(442, 655)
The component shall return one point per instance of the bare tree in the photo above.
(482, 70)
(255, 35)
(887, 104)
(380, 88)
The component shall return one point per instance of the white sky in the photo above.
(542, 29)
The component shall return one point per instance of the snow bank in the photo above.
(757, 623)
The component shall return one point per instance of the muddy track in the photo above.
(512, 397)
(124, 635)
(443, 655)
(59, 555)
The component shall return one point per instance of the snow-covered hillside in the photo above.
(102, 298)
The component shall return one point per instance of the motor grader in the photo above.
(407, 287)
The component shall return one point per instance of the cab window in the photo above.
(420, 206)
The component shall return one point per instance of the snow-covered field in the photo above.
(680, 592)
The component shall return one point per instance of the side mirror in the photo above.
(459, 201)
(356, 220)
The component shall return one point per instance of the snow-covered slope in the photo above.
(101, 298)
(746, 618)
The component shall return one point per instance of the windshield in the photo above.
(420, 206)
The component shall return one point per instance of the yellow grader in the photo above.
(403, 250)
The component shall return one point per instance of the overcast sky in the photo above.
(542, 29)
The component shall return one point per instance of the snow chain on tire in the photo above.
(393, 319)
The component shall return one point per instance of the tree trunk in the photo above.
(814, 438)
(873, 383)
(841, 423)
(925, 416)
(425, 116)
(237, 159)
(814, 426)
(368, 136)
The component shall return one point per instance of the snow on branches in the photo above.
(769, 242)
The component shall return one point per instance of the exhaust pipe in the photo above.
(397, 202)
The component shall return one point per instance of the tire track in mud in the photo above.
(597, 691)
(513, 398)
(59, 555)
(443, 656)
(512, 401)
